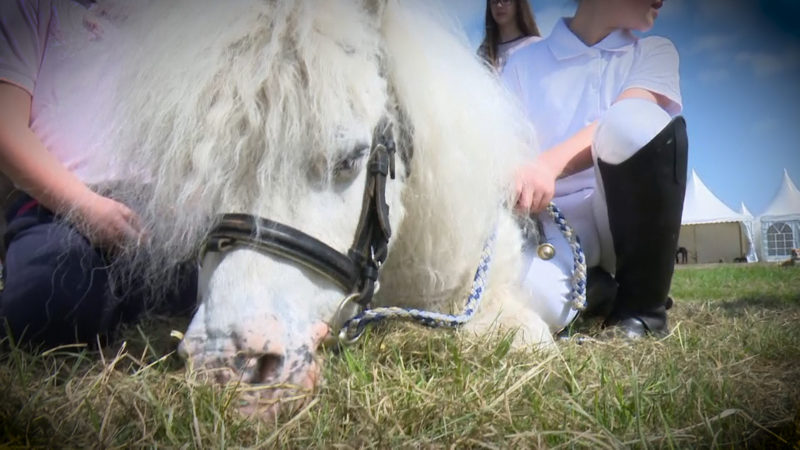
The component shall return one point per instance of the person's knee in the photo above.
(627, 127)
(56, 285)
(547, 287)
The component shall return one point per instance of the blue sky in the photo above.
(740, 62)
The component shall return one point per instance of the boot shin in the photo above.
(644, 196)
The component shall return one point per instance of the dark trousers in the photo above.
(57, 288)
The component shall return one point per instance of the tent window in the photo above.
(780, 241)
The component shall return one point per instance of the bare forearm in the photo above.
(572, 155)
(26, 161)
(29, 164)
(535, 181)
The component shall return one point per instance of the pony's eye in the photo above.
(349, 164)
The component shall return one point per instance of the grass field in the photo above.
(727, 377)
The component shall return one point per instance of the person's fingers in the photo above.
(131, 219)
(119, 230)
(525, 198)
(130, 232)
(536, 202)
(135, 221)
(518, 192)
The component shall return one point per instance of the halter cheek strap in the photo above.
(370, 245)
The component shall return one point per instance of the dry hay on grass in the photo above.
(727, 376)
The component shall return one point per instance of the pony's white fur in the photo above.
(253, 113)
(464, 149)
(468, 138)
(209, 107)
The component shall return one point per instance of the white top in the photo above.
(564, 85)
(45, 48)
(506, 49)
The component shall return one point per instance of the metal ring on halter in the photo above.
(342, 335)
(341, 316)
(343, 339)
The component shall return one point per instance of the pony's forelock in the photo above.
(229, 107)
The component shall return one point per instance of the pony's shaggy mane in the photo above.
(468, 138)
(225, 109)
(217, 91)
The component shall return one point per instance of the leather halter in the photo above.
(357, 271)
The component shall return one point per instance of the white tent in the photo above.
(780, 223)
(749, 229)
(710, 230)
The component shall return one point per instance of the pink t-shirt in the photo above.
(52, 49)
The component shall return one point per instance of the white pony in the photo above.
(267, 107)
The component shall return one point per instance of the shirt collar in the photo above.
(565, 44)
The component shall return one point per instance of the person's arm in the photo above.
(535, 181)
(26, 161)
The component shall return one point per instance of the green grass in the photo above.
(766, 283)
(727, 377)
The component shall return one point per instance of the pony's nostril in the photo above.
(267, 366)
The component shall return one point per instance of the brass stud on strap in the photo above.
(546, 251)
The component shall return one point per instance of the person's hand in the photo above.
(107, 223)
(535, 184)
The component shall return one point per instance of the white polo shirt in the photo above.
(564, 85)
(46, 48)
(507, 49)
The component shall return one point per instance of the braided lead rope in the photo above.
(578, 281)
(355, 326)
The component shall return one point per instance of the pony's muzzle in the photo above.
(256, 358)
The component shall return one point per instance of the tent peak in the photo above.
(787, 180)
(744, 211)
(786, 200)
(702, 206)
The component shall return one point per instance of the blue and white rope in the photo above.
(355, 326)
(578, 281)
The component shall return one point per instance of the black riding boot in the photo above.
(601, 292)
(644, 195)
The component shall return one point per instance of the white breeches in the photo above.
(624, 129)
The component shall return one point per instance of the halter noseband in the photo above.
(357, 271)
